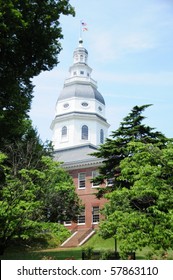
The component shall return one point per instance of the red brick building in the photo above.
(83, 167)
(79, 127)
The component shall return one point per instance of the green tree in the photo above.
(114, 150)
(28, 151)
(61, 202)
(142, 215)
(29, 198)
(30, 43)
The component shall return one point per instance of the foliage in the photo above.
(25, 201)
(142, 215)
(138, 160)
(159, 255)
(51, 235)
(61, 202)
(31, 184)
(30, 43)
(114, 150)
(28, 151)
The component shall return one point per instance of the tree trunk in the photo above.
(115, 245)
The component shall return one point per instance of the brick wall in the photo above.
(88, 197)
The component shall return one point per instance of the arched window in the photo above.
(85, 132)
(101, 136)
(64, 131)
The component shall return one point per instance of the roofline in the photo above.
(76, 147)
(82, 163)
(82, 113)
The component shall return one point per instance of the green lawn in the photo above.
(95, 242)
(99, 243)
(75, 253)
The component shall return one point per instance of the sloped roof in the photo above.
(81, 90)
(77, 156)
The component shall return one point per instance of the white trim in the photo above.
(97, 186)
(81, 180)
(67, 224)
(86, 238)
(68, 239)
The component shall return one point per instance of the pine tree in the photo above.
(114, 150)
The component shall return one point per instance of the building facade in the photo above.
(79, 127)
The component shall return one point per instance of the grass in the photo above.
(96, 242)
(43, 255)
(99, 243)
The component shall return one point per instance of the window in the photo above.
(76, 57)
(95, 173)
(67, 223)
(66, 105)
(84, 104)
(82, 72)
(64, 131)
(101, 136)
(81, 217)
(74, 73)
(110, 182)
(81, 180)
(95, 214)
(85, 132)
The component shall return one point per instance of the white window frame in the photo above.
(84, 132)
(93, 176)
(95, 217)
(81, 181)
(109, 182)
(67, 223)
(81, 218)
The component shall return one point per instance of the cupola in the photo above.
(80, 108)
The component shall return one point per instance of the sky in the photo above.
(130, 49)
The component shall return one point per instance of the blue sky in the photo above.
(130, 46)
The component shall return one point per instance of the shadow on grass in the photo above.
(72, 254)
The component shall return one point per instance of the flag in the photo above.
(84, 26)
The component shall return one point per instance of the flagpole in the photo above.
(83, 27)
(80, 30)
